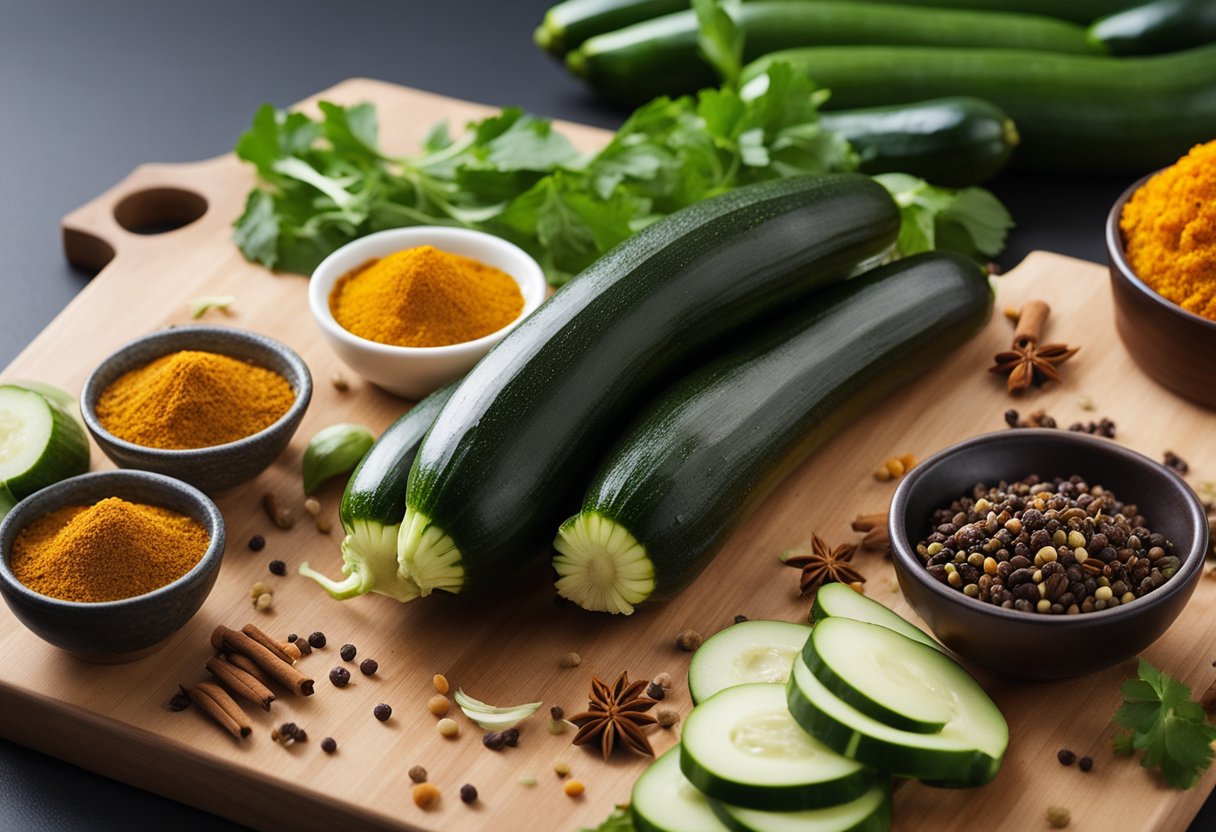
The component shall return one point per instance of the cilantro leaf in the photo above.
(970, 221)
(1167, 725)
(617, 821)
(719, 40)
(257, 230)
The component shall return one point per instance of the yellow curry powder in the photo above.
(1169, 226)
(193, 399)
(111, 550)
(424, 297)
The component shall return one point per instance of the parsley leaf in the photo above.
(617, 821)
(970, 221)
(1167, 725)
(719, 40)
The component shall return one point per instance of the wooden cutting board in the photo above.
(113, 720)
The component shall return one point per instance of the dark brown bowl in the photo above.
(1173, 346)
(1031, 645)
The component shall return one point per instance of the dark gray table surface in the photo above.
(90, 90)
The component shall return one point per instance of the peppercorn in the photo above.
(347, 652)
(277, 567)
(340, 677)
(688, 640)
(382, 712)
(1176, 463)
(1085, 763)
(291, 638)
(557, 712)
(571, 659)
(667, 717)
(1066, 757)
(317, 640)
(257, 543)
(655, 691)
(425, 795)
(1011, 418)
(438, 704)
(304, 647)
(739, 619)
(180, 700)
(510, 737)
(329, 745)
(468, 793)
(1058, 817)
(417, 774)
(493, 740)
(368, 667)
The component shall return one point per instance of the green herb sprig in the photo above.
(1167, 725)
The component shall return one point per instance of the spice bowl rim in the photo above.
(908, 564)
(531, 282)
(90, 392)
(1117, 252)
(59, 495)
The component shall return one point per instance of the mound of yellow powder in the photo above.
(424, 297)
(1169, 226)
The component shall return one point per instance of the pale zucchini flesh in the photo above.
(600, 565)
(841, 601)
(750, 651)
(664, 801)
(871, 812)
(41, 443)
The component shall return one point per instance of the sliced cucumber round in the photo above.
(966, 752)
(741, 746)
(837, 600)
(750, 651)
(869, 813)
(664, 801)
(40, 443)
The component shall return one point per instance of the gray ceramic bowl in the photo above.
(113, 631)
(1030, 645)
(1173, 346)
(222, 466)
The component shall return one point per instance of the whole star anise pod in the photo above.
(823, 564)
(1026, 362)
(616, 713)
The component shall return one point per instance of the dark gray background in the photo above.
(88, 90)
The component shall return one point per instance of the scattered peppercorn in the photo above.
(382, 712)
(1176, 463)
(1011, 418)
(1058, 817)
(558, 712)
(340, 676)
(317, 640)
(277, 567)
(291, 638)
(1085, 763)
(368, 667)
(440, 682)
(663, 680)
(448, 727)
(417, 774)
(288, 733)
(739, 619)
(688, 640)
(1104, 427)
(655, 691)
(257, 543)
(571, 659)
(329, 745)
(303, 645)
(667, 717)
(347, 652)
(574, 788)
(1066, 757)
(438, 704)
(180, 700)
(425, 795)
(493, 741)
(468, 793)
(510, 737)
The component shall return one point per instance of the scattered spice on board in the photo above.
(468, 793)
(277, 567)
(1176, 464)
(316, 640)
(438, 704)
(1066, 757)
(1027, 362)
(874, 526)
(1058, 817)
(667, 717)
(616, 713)
(1169, 232)
(288, 734)
(688, 640)
(348, 652)
(280, 515)
(382, 712)
(574, 788)
(264, 602)
(257, 543)
(895, 467)
(1086, 764)
(1103, 427)
(448, 727)
(368, 667)
(339, 382)
(340, 677)
(180, 700)
(441, 683)
(110, 550)
(417, 774)
(1037, 419)
(329, 745)
(571, 659)
(656, 692)
(822, 564)
(561, 768)
(193, 399)
(1053, 547)
(426, 795)
(663, 680)
(493, 740)
(425, 297)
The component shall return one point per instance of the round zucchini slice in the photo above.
(40, 442)
(664, 801)
(837, 600)
(869, 813)
(750, 651)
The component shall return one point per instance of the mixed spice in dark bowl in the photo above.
(1046, 554)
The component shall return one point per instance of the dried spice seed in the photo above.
(258, 588)
(448, 727)
(264, 602)
(574, 788)
(277, 567)
(493, 740)
(1058, 817)
(279, 515)
(1027, 362)
(655, 691)
(329, 745)
(440, 682)
(313, 506)
(304, 647)
(317, 640)
(688, 640)
(510, 737)
(382, 712)
(340, 677)
(291, 638)
(1176, 463)
(527, 780)
(822, 564)
(667, 717)
(257, 543)
(417, 774)
(425, 795)
(616, 713)
(1085, 763)
(438, 704)
(468, 793)
(571, 659)
(1066, 757)
(368, 667)
(180, 700)
(561, 769)
(339, 382)
(663, 680)
(557, 712)
(739, 619)
(347, 652)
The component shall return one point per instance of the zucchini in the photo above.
(869, 813)
(41, 443)
(750, 651)
(966, 752)
(709, 448)
(1075, 113)
(1159, 26)
(955, 142)
(373, 504)
(741, 746)
(1078, 11)
(524, 429)
(660, 56)
(664, 801)
(838, 600)
(569, 23)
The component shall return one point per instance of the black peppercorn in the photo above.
(303, 645)
(656, 692)
(368, 667)
(329, 745)
(510, 737)
(558, 712)
(347, 652)
(1085, 763)
(291, 638)
(180, 700)
(277, 567)
(1066, 757)
(739, 619)
(493, 741)
(257, 543)
(1011, 418)
(382, 712)
(317, 640)
(468, 793)
(340, 676)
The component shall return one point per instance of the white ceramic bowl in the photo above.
(413, 372)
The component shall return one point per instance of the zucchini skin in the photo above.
(712, 446)
(955, 142)
(509, 453)
(1159, 26)
(566, 25)
(376, 489)
(660, 56)
(1074, 113)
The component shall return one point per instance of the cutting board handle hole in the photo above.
(158, 210)
(86, 251)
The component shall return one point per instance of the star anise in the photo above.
(823, 564)
(616, 713)
(1031, 364)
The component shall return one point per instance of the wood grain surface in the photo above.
(506, 650)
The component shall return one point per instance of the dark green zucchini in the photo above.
(659, 57)
(568, 24)
(1078, 11)
(954, 142)
(708, 449)
(510, 452)
(1075, 113)
(373, 504)
(1159, 26)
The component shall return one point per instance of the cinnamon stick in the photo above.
(273, 645)
(240, 682)
(221, 707)
(868, 522)
(245, 664)
(877, 538)
(1030, 324)
(237, 641)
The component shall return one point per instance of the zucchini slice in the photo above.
(750, 651)
(869, 813)
(522, 433)
(713, 445)
(40, 442)
(664, 801)
(966, 752)
(741, 746)
(837, 600)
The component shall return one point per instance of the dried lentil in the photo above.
(417, 774)
(438, 704)
(448, 727)
(441, 683)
